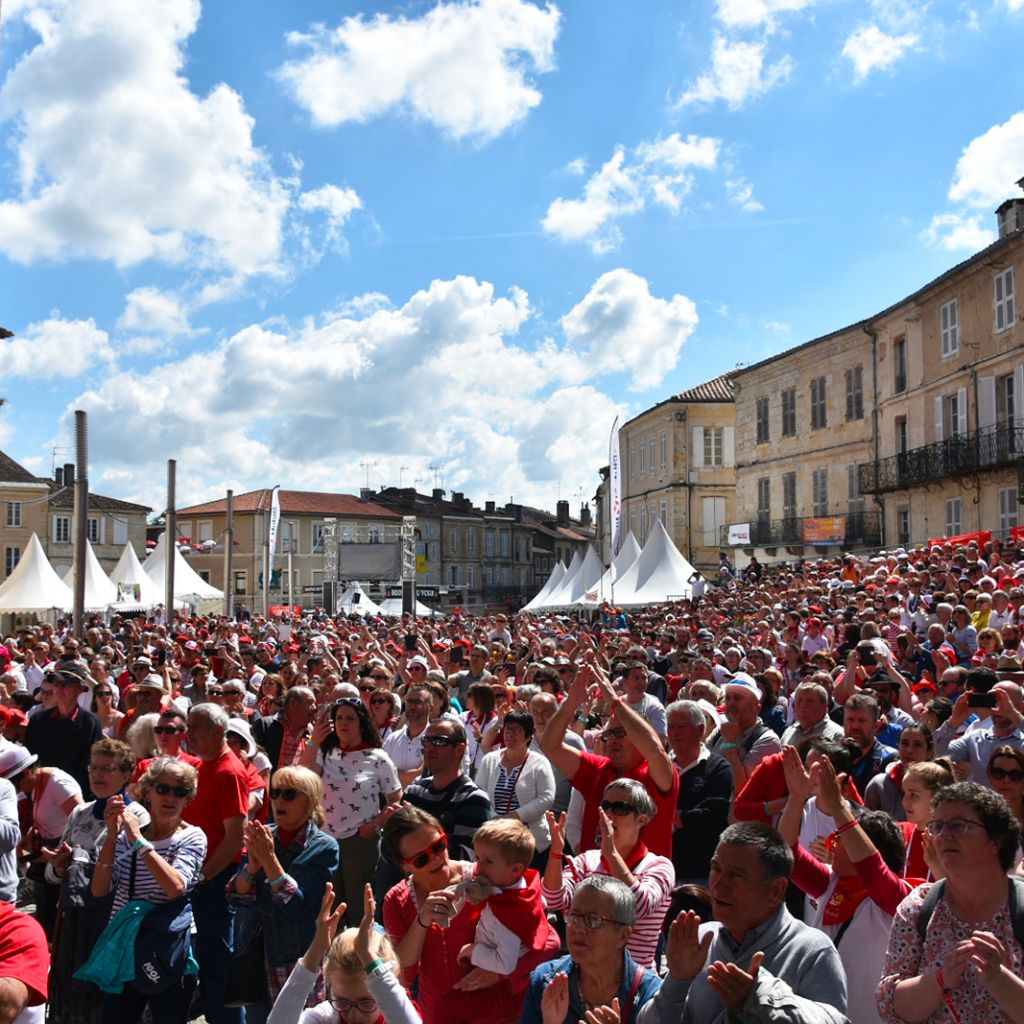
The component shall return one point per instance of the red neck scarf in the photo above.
(850, 892)
(636, 855)
(896, 770)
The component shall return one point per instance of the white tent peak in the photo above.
(100, 589)
(553, 581)
(590, 572)
(187, 582)
(605, 588)
(661, 572)
(34, 586)
(348, 603)
(555, 594)
(128, 575)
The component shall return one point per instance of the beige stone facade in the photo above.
(678, 466)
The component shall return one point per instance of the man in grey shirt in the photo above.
(459, 684)
(755, 963)
(10, 836)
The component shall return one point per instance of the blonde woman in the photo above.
(282, 880)
(361, 974)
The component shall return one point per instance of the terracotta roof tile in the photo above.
(64, 497)
(718, 390)
(295, 503)
(12, 472)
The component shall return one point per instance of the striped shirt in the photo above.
(461, 807)
(654, 878)
(185, 851)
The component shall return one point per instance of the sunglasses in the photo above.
(102, 693)
(288, 795)
(618, 807)
(181, 792)
(379, 700)
(435, 849)
(167, 730)
(367, 689)
(1002, 774)
(214, 692)
(440, 741)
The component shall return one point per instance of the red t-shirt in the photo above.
(223, 793)
(591, 778)
(140, 768)
(24, 954)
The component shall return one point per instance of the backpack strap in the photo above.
(931, 901)
(1015, 902)
(627, 1010)
(759, 730)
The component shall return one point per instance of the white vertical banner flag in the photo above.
(275, 519)
(615, 468)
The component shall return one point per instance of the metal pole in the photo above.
(81, 517)
(229, 551)
(171, 542)
(291, 594)
(266, 563)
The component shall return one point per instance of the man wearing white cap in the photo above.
(743, 739)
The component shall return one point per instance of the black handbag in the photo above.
(247, 974)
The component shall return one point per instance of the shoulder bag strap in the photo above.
(627, 1010)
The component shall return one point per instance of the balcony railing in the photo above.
(850, 529)
(959, 456)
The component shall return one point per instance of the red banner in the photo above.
(982, 537)
(285, 609)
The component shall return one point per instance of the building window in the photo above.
(506, 576)
(643, 525)
(241, 584)
(453, 575)
(62, 529)
(14, 513)
(819, 492)
(651, 456)
(453, 541)
(855, 393)
(470, 540)
(954, 414)
(762, 420)
(714, 520)
(204, 575)
(664, 513)
(470, 575)
(516, 549)
(856, 499)
(94, 530)
(506, 543)
(1006, 312)
(12, 556)
(318, 539)
(488, 575)
(764, 501)
(373, 535)
(120, 531)
(789, 495)
(954, 517)
(489, 544)
(1006, 401)
(949, 323)
(900, 429)
(663, 444)
(632, 521)
(641, 460)
(632, 463)
(428, 529)
(714, 446)
(789, 412)
(205, 530)
(819, 416)
(899, 363)
(903, 525)
(289, 537)
(1008, 509)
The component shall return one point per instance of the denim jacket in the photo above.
(289, 914)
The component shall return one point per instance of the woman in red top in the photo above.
(921, 781)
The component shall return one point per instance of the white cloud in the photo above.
(990, 164)
(577, 166)
(56, 348)
(119, 160)
(956, 232)
(156, 311)
(444, 378)
(464, 67)
(1015, 5)
(869, 49)
(755, 13)
(660, 171)
(619, 324)
(337, 205)
(738, 73)
(741, 193)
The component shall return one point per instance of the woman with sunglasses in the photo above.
(105, 709)
(70, 866)
(359, 780)
(281, 881)
(626, 808)
(160, 862)
(968, 968)
(1006, 777)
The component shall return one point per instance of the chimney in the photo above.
(488, 506)
(1010, 216)
(58, 475)
(438, 494)
(365, 494)
(69, 474)
(585, 514)
(562, 513)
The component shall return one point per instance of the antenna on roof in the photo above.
(434, 470)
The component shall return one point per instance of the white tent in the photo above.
(590, 572)
(553, 581)
(187, 582)
(100, 589)
(659, 573)
(393, 606)
(355, 600)
(137, 591)
(34, 586)
(605, 589)
(555, 594)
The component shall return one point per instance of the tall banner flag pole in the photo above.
(615, 474)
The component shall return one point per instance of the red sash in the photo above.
(850, 892)
(636, 855)
(521, 911)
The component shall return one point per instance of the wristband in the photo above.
(941, 981)
(727, 746)
(373, 965)
(845, 827)
(275, 882)
(420, 923)
(767, 810)
(141, 845)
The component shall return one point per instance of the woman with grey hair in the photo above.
(599, 976)
(626, 807)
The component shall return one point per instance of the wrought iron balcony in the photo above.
(850, 529)
(959, 456)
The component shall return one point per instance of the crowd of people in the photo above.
(797, 796)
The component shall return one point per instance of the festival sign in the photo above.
(825, 530)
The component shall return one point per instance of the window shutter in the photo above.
(698, 447)
(1000, 320)
(1018, 396)
(1011, 304)
(986, 402)
(961, 408)
(938, 418)
(729, 446)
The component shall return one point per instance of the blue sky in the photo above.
(311, 243)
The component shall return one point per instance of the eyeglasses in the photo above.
(617, 733)
(167, 730)
(103, 769)
(435, 849)
(214, 692)
(440, 741)
(589, 921)
(366, 1005)
(618, 807)
(417, 668)
(955, 826)
(367, 689)
(1002, 774)
(102, 693)
(45, 693)
(288, 795)
(181, 792)
(379, 700)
